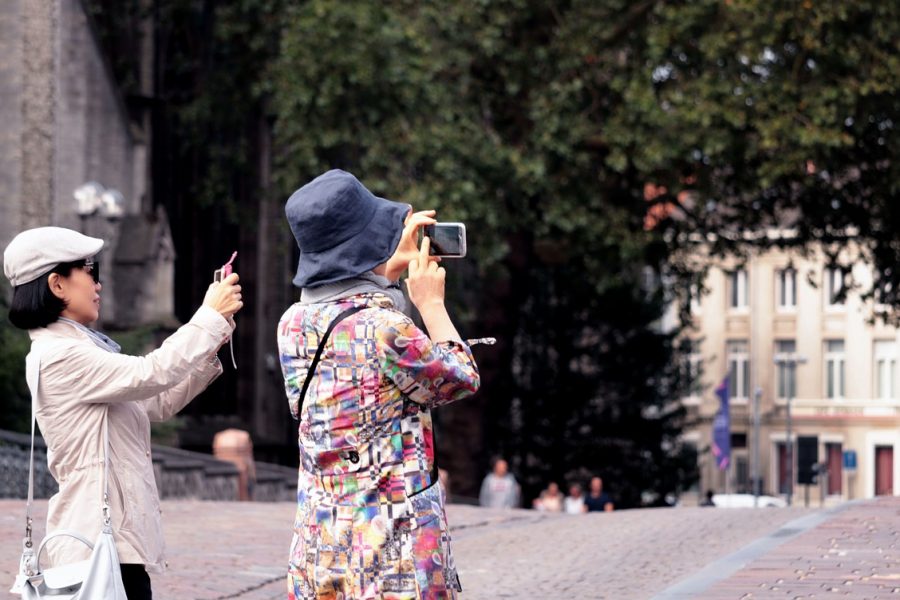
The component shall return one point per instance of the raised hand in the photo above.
(225, 296)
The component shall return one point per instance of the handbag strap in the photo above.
(32, 377)
(315, 361)
(59, 533)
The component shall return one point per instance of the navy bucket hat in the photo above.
(343, 230)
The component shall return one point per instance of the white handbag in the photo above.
(98, 578)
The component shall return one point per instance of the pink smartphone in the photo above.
(225, 271)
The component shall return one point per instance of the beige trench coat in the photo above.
(79, 385)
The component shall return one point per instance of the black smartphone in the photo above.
(448, 240)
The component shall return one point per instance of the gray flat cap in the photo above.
(35, 252)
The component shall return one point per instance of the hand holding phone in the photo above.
(220, 275)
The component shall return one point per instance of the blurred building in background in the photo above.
(845, 405)
(66, 124)
(68, 121)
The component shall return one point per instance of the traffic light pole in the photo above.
(790, 360)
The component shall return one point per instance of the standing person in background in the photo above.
(499, 488)
(574, 503)
(370, 519)
(597, 500)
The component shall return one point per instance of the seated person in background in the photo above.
(574, 503)
(550, 500)
(597, 500)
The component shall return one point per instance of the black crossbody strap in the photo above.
(315, 361)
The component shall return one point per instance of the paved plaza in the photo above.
(221, 550)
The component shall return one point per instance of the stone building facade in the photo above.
(845, 399)
(65, 123)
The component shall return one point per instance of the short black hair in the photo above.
(34, 305)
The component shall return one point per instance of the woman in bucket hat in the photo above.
(370, 519)
(86, 388)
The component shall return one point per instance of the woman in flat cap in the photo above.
(370, 519)
(86, 392)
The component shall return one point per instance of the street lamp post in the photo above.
(790, 360)
(756, 419)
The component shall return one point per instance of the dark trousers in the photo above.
(137, 582)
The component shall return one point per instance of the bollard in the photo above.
(235, 446)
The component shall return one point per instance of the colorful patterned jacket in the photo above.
(370, 520)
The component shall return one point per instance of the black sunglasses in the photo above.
(93, 267)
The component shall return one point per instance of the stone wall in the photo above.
(64, 124)
(179, 474)
(14, 454)
(11, 66)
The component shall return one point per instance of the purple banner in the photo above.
(721, 444)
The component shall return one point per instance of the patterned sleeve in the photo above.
(427, 373)
(293, 367)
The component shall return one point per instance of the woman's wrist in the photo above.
(438, 323)
(435, 305)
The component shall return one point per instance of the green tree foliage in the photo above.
(478, 109)
(771, 116)
(15, 399)
(539, 124)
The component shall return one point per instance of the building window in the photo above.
(787, 288)
(738, 293)
(886, 369)
(738, 369)
(834, 285)
(738, 440)
(834, 369)
(695, 366)
(786, 380)
(695, 298)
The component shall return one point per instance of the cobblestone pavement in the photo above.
(854, 554)
(238, 550)
(617, 556)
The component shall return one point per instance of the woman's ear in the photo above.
(55, 283)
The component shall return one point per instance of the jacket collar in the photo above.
(56, 330)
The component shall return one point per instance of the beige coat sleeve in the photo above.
(169, 403)
(99, 376)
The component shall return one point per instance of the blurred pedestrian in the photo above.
(574, 502)
(709, 499)
(499, 488)
(597, 500)
(94, 404)
(444, 477)
(370, 518)
(550, 500)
